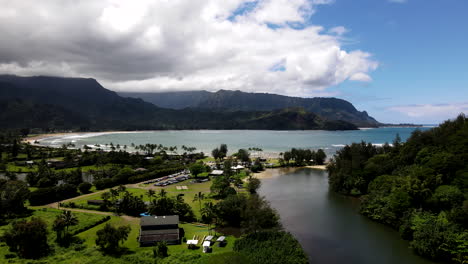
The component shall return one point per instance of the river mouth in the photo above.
(329, 226)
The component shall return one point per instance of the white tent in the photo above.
(206, 246)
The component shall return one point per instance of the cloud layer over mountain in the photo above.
(263, 46)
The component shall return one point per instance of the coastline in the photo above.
(38, 137)
(275, 172)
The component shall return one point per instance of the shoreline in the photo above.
(275, 172)
(38, 137)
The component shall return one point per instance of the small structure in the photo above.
(222, 241)
(192, 242)
(159, 228)
(95, 202)
(237, 168)
(216, 172)
(206, 246)
(140, 170)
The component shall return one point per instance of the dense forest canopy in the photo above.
(419, 187)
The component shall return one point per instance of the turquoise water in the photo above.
(269, 141)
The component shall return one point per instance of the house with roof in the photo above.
(158, 229)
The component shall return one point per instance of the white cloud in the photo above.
(151, 45)
(431, 112)
(339, 31)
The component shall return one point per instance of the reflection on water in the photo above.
(328, 225)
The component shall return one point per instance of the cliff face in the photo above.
(83, 104)
(329, 108)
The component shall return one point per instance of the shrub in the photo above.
(84, 187)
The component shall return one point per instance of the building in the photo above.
(216, 172)
(159, 228)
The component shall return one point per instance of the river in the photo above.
(328, 225)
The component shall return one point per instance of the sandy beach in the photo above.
(32, 139)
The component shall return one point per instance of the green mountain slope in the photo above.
(223, 100)
(84, 104)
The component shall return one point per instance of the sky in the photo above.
(400, 60)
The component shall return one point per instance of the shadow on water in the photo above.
(328, 225)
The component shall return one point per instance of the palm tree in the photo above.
(209, 212)
(114, 193)
(199, 197)
(106, 196)
(180, 197)
(162, 193)
(151, 193)
(68, 219)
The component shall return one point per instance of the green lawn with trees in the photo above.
(33, 232)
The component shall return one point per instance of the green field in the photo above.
(193, 188)
(89, 253)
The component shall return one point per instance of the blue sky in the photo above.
(422, 50)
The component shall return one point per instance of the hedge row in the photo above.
(102, 220)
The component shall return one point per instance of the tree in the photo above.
(13, 195)
(287, 157)
(28, 238)
(160, 250)
(223, 150)
(61, 224)
(320, 157)
(151, 193)
(75, 177)
(446, 197)
(215, 153)
(199, 197)
(253, 184)
(257, 166)
(15, 148)
(221, 187)
(109, 238)
(84, 187)
(208, 212)
(243, 155)
(258, 215)
(230, 211)
(162, 193)
(196, 168)
(131, 205)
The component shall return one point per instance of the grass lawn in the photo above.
(14, 168)
(49, 215)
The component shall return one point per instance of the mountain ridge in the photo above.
(225, 100)
(84, 104)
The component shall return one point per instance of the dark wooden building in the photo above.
(159, 228)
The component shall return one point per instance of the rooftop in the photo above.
(159, 220)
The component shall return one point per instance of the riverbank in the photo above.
(329, 226)
(276, 172)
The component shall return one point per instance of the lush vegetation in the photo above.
(330, 108)
(301, 157)
(102, 226)
(52, 103)
(271, 247)
(419, 187)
